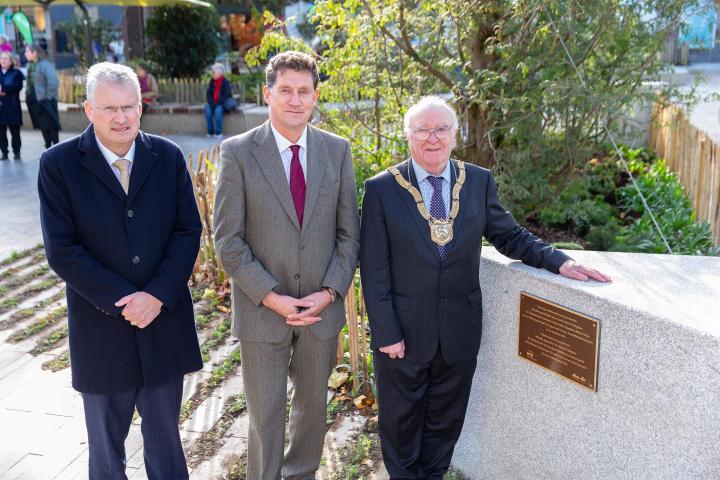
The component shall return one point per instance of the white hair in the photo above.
(430, 101)
(218, 67)
(111, 72)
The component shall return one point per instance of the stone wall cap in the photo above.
(682, 289)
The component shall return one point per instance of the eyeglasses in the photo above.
(425, 133)
(127, 110)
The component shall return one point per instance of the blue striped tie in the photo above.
(437, 207)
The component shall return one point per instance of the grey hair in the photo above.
(430, 101)
(218, 66)
(111, 72)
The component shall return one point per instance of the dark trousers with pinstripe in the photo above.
(108, 418)
(422, 410)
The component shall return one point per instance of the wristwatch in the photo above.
(332, 293)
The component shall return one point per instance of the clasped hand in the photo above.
(298, 312)
(141, 308)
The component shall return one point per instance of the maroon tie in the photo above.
(297, 182)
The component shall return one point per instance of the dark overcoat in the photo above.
(106, 244)
(11, 82)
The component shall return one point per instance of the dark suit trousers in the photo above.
(15, 136)
(108, 418)
(422, 410)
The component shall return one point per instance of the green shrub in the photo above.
(673, 211)
(602, 237)
(583, 203)
(182, 39)
(568, 246)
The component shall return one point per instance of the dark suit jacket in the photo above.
(12, 83)
(106, 245)
(410, 293)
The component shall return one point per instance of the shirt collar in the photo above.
(421, 174)
(110, 157)
(283, 143)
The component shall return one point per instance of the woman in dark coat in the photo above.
(218, 92)
(41, 94)
(11, 82)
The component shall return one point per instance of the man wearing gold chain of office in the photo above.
(422, 227)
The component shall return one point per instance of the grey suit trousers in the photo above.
(265, 367)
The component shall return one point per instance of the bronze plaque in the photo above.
(558, 339)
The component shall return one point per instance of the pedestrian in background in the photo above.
(11, 82)
(5, 45)
(219, 93)
(148, 85)
(42, 93)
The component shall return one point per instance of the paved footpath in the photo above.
(706, 113)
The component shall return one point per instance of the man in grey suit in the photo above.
(287, 231)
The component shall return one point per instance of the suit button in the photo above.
(297, 276)
(130, 213)
(443, 299)
(136, 259)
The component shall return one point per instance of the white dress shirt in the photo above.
(110, 157)
(426, 188)
(284, 144)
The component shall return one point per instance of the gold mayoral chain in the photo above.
(441, 230)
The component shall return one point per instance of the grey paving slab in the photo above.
(192, 381)
(11, 361)
(76, 469)
(216, 466)
(209, 411)
(134, 448)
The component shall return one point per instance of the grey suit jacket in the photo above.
(259, 240)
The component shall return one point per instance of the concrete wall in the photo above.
(656, 413)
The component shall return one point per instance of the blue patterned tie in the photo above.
(437, 206)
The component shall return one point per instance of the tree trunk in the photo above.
(479, 147)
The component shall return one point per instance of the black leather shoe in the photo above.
(4, 156)
(16, 156)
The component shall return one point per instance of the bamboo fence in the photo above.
(71, 88)
(204, 169)
(692, 154)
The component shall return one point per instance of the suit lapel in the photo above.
(457, 223)
(268, 158)
(317, 156)
(94, 161)
(409, 201)
(142, 164)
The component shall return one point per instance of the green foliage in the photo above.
(602, 237)
(183, 40)
(523, 111)
(568, 246)
(604, 207)
(100, 31)
(238, 405)
(583, 204)
(673, 211)
(227, 367)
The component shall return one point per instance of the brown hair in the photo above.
(298, 61)
(36, 48)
